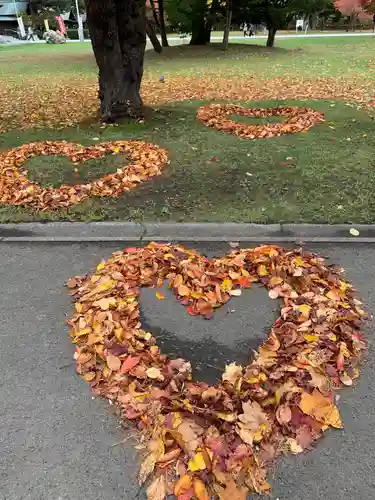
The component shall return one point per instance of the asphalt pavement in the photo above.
(57, 442)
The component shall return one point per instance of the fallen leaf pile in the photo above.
(36, 103)
(203, 441)
(298, 120)
(16, 189)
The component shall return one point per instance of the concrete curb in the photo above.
(77, 232)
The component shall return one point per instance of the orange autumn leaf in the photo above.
(200, 490)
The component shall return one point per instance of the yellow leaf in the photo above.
(100, 266)
(176, 419)
(160, 296)
(274, 281)
(299, 262)
(253, 380)
(304, 309)
(197, 462)
(116, 150)
(262, 270)
(84, 331)
(89, 376)
(319, 407)
(226, 285)
(228, 417)
(311, 338)
(79, 307)
(154, 373)
(200, 490)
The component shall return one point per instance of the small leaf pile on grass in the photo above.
(16, 188)
(203, 441)
(298, 120)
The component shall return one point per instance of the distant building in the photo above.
(10, 8)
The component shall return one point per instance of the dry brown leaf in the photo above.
(157, 489)
(231, 491)
(147, 468)
(113, 362)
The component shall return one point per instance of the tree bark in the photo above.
(198, 33)
(228, 21)
(153, 38)
(118, 37)
(200, 27)
(271, 36)
(154, 13)
(163, 31)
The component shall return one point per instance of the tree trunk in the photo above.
(314, 20)
(271, 36)
(199, 28)
(163, 31)
(154, 13)
(153, 38)
(228, 21)
(118, 37)
(199, 32)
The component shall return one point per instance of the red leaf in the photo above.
(129, 363)
(131, 250)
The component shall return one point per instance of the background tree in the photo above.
(314, 9)
(228, 22)
(57, 6)
(275, 14)
(368, 6)
(118, 36)
(193, 16)
(354, 9)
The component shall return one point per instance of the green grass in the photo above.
(325, 175)
(319, 176)
(303, 57)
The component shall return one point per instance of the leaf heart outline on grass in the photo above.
(217, 440)
(299, 119)
(147, 160)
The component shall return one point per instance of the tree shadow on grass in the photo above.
(214, 50)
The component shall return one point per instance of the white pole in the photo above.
(19, 21)
(81, 35)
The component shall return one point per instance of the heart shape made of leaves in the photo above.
(206, 441)
(147, 160)
(298, 120)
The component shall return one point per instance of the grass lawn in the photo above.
(323, 175)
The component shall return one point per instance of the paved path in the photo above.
(58, 443)
(176, 40)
